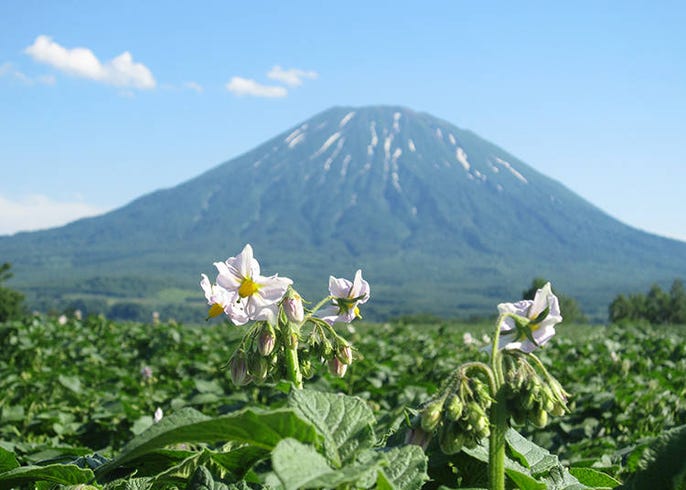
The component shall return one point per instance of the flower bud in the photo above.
(293, 307)
(539, 418)
(451, 438)
(454, 407)
(418, 437)
(558, 410)
(239, 369)
(337, 368)
(266, 340)
(306, 368)
(259, 368)
(345, 353)
(431, 415)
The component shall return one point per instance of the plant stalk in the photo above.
(497, 418)
(292, 363)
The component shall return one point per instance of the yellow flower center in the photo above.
(215, 310)
(248, 288)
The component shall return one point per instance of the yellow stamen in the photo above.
(248, 288)
(215, 310)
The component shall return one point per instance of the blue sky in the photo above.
(101, 102)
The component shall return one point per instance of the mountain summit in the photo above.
(439, 219)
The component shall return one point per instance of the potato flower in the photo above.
(529, 324)
(346, 298)
(253, 296)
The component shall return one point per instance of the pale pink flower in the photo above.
(346, 298)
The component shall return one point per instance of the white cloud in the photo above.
(292, 77)
(120, 71)
(246, 86)
(37, 212)
(8, 70)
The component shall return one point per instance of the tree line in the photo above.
(657, 306)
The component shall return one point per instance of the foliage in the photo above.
(657, 306)
(11, 302)
(76, 398)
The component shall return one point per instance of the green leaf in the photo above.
(142, 424)
(534, 457)
(524, 481)
(7, 460)
(56, 473)
(239, 461)
(130, 484)
(346, 422)
(298, 465)
(663, 465)
(263, 429)
(594, 478)
(405, 468)
(72, 383)
(202, 479)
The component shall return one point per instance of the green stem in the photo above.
(292, 363)
(496, 447)
(319, 305)
(498, 418)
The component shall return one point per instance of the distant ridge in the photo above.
(440, 220)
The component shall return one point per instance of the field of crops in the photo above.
(128, 405)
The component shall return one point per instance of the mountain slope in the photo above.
(439, 219)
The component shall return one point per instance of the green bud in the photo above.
(345, 353)
(259, 368)
(558, 409)
(475, 413)
(454, 407)
(451, 438)
(431, 415)
(539, 418)
(306, 368)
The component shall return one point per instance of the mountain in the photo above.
(439, 219)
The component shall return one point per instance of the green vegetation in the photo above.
(11, 301)
(78, 401)
(657, 306)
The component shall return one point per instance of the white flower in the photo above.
(158, 415)
(347, 296)
(252, 296)
(222, 301)
(468, 339)
(539, 326)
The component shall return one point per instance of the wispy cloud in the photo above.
(194, 86)
(37, 212)
(120, 71)
(246, 86)
(293, 77)
(8, 70)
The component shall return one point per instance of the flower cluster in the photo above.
(287, 340)
(459, 414)
(531, 396)
(241, 292)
